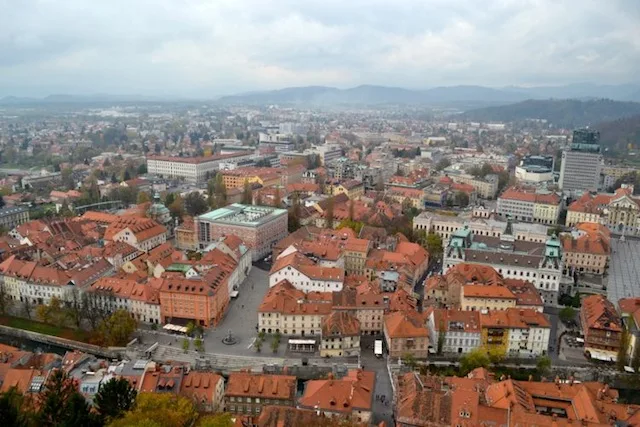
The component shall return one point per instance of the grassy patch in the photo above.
(44, 328)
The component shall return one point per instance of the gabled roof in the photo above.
(200, 386)
(265, 386)
(487, 291)
(599, 313)
(408, 324)
(353, 392)
(340, 323)
(286, 299)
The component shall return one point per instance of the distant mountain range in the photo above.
(370, 95)
(463, 97)
(323, 95)
(566, 113)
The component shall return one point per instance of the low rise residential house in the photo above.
(205, 389)
(486, 297)
(444, 290)
(340, 335)
(283, 416)
(247, 393)
(515, 332)
(141, 233)
(629, 309)
(454, 331)
(602, 327)
(354, 189)
(305, 274)
(366, 302)
(587, 208)
(406, 333)
(479, 399)
(33, 284)
(413, 197)
(350, 396)
(235, 178)
(355, 255)
(118, 253)
(186, 236)
(586, 249)
(140, 299)
(406, 265)
(290, 311)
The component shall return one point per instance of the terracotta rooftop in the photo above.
(352, 392)
(142, 228)
(200, 386)
(487, 291)
(521, 318)
(523, 195)
(284, 298)
(244, 384)
(405, 325)
(456, 320)
(525, 292)
(599, 313)
(340, 323)
(285, 416)
(594, 239)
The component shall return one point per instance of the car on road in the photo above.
(377, 349)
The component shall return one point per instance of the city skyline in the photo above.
(204, 50)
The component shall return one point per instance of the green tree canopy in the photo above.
(476, 358)
(567, 314)
(60, 404)
(543, 364)
(247, 193)
(114, 398)
(117, 329)
(195, 204)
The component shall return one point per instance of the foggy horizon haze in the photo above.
(201, 49)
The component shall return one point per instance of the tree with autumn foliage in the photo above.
(159, 409)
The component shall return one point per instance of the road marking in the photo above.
(251, 345)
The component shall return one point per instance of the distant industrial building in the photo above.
(260, 227)
(280, 143)
(582, 162)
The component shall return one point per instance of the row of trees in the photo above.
(109, 327)
(275, 341)
(482, 358)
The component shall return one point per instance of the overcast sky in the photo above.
(212, 47)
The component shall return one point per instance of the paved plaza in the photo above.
(624, 270)
(240, 319)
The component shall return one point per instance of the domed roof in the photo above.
(157, 209)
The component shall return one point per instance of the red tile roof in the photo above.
(353, 392)
(244, 384)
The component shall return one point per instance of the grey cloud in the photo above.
(206, 47)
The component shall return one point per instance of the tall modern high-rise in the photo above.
(582, 162)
